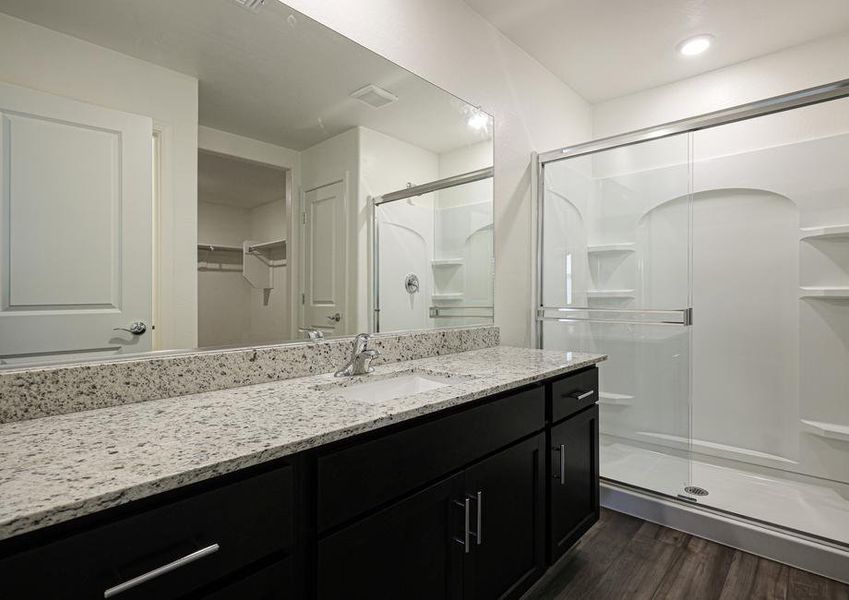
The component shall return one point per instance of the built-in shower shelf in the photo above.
(447, 296)
(446, 262)
(828, 430)
(834, 232)
(610, 248)
(839, 293)
(611, 399)
(623, 294)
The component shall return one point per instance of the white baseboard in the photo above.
(808, 554)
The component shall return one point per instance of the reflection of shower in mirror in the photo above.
(411, 283)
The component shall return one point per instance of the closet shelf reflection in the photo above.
(267, 246)
(219, 248)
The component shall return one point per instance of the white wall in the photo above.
(406, 231)
(782, 72)
(223, 293)
(452, 46)
(337, 159)
(42, 59)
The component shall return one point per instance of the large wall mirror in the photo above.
(218, 173)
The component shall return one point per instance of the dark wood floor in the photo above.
(623, 557)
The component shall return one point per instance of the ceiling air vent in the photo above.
(251, 5)
(374, 96)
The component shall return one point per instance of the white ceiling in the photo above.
(275, 76)
(234, 182)
(609, 48)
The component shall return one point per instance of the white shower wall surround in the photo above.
(768, 202)
(444, 238)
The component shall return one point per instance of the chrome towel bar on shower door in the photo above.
(680, 316)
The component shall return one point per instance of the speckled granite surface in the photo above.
(41, 392)
(60, 467)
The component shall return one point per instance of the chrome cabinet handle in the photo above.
(562, 451)
(136, 328)
(582, 396)
(337, 317)
(466, 525)
(479, 530)
(180, 562)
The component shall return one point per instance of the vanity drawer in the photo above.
(367, 474)
(212, 534)
(573, 393)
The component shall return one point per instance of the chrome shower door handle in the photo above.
(136, 328)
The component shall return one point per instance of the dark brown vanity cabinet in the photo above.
(210, 542)
(476, 534)
(466, 503)
(574, 489)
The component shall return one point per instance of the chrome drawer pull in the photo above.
(582, 396)
(562, 451)
(479, 532)
(466, 525)
(180, 562)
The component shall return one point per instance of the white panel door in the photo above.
(325, 258)
(75, 225)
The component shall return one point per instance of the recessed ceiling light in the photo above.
(695, 45)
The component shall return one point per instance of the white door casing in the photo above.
(325, 258)
(75, 225)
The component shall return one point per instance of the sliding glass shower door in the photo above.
(615, 273)
(712, 266)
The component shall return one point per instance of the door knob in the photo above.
(136, 328)
(337, 317)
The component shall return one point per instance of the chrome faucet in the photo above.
(313, 334)
(361, 358)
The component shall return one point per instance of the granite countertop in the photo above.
(57, 468)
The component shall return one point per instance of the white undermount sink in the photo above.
(391, 387)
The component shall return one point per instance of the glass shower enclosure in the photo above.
(433, 263)
(710, 260)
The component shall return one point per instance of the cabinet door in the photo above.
(507, 520)
(412, 549)
(573, 485)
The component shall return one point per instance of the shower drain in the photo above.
(695, 490)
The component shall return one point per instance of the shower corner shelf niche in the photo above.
(447, 296)
(617, 400)
(834, 293)
(611, 294)
(446, 262)
(826, 232)
(827, 430)
(616, 248)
